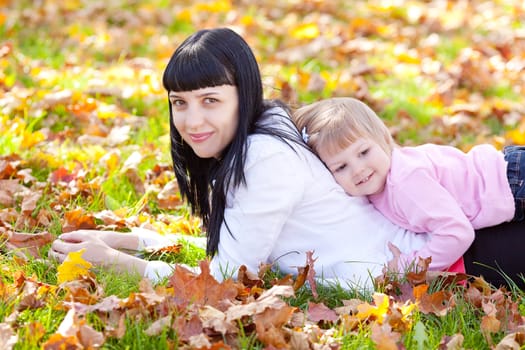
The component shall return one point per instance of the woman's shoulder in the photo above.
(262, 146)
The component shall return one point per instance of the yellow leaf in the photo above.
(305, 31)
(214, 6)
(247, 20)
(184, 15)
(73, 267)
(516, 136)
(32, 138)
(377, 312)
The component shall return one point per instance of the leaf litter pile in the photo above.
(69, 135)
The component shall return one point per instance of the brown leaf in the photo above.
(248, 278)
(187, 326)
(215, 320)
(302, 272)
(269, 299)
(269, 323)
(383, 337)
(320, 312)
(169, 197)
(158, 326)
(310, 276)
(454, 342)
(27, 242)
(438, 303)
(202, 289)
(420, 274)
(473, 296)
(489, 325)
(512, 341)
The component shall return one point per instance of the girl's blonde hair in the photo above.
(335, 123)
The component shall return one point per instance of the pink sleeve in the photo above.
(428, 207)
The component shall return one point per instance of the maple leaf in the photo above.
(73, 267)
(202, 289)
(375, 312)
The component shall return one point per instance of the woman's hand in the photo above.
(116, 240)
(100, 249)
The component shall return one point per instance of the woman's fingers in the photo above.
(78, 236)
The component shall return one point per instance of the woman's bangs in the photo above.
(192, 71)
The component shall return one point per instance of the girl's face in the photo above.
(206, 118)
(361, 168)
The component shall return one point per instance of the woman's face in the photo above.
(207, 118)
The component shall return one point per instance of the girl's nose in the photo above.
(356, 169)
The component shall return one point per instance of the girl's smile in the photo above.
(361, 168)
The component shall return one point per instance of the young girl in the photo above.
(430, 188)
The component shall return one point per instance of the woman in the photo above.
(244, 169)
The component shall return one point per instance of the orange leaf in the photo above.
(77, 219)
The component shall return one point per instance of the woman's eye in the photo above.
(177, 103)
(209, 100)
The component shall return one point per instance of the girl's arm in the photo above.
(426, 206)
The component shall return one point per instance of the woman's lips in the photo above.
(200, 137)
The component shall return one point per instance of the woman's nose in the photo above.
(194, 118)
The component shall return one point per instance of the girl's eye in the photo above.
(364, 152)
(340, 168)
(177, 102)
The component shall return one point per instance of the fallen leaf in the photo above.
(73, 267)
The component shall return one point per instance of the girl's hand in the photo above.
(393, 265)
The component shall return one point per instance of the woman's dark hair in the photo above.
(208, 58)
